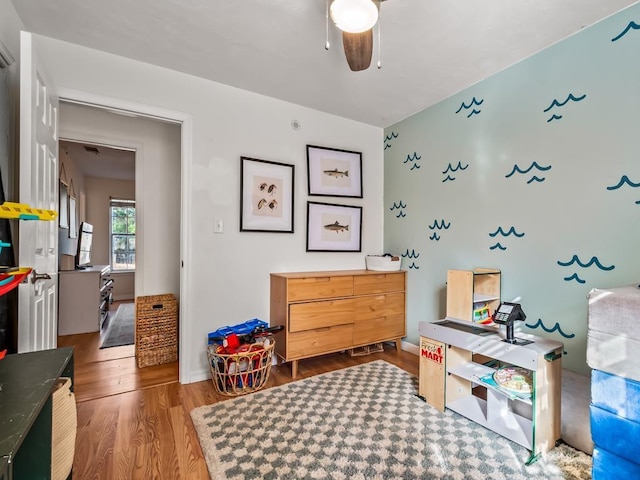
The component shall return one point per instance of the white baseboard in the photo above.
(411, 348)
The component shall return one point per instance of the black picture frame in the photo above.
(266, 196)
(332, 172)
(334, 228)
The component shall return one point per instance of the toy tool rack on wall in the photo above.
(12, 276)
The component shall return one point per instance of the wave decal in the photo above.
(440, 225)
(632, 26)
(499, 231)
(435, 237)
(511, 231)
(534, 165)
(412, 158)
(574, 277)
(516, 168)
(624, 180)
(556, 103)
(413, 254)
(414, 266)
(451, 168)
(594, 261)
(570, 97)
(474, 112)
(449, 178)
(535, 179)
(474, 102)
(388, 139)
(555, 328)
(400, 206)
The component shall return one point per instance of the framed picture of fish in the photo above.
(333, 172)
(333, 228)
(266, 196)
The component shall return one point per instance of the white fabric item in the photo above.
(615, 311)
(576, 397)
(613, 337)
(614, 354)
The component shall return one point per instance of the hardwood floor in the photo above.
(147, 433)
(102, 373)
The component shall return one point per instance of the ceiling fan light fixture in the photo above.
(354, 16)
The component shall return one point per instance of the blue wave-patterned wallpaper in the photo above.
(534, 171)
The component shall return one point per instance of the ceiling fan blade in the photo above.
(358, 48)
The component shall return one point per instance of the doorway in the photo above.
(114, 155)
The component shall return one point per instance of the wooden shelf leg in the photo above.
(294, 368)
(398, 344)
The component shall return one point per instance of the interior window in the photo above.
(123, 235)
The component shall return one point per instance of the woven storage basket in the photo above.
(156, 330)
(64, 423)
(240, 373)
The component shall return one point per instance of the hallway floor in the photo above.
(110, 371)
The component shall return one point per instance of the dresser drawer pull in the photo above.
(324, 329)
(323, 279)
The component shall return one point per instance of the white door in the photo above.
(38, 187)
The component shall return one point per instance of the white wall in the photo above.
(227, 275)
(99, 193)
(157, 146)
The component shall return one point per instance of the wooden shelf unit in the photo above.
(466, 287)
(450, 379)
(326, 312)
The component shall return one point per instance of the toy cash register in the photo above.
(506, 314)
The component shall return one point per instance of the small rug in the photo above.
(362, 422)
(121, 327)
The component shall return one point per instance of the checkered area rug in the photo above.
(362, 422)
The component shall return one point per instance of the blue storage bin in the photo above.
(617, 435)
(607, 466)
(240, 329)
(616, 394)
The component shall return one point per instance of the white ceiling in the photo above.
(107, 162)
(431, 49)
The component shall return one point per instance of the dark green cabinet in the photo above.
(27, 381)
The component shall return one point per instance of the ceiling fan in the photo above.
(356, 19)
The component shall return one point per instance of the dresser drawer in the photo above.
(377, 306)
(319, 341)
(312, 288)
(378, 283)
(379, 329)
(307, 316)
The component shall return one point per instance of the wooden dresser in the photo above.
(325, 312)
